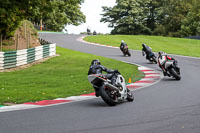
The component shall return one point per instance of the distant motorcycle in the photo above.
(146, 50)
(170, 67)
(111, 93)
(152, 58)
(125, 51)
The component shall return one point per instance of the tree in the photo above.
(167, 17)
(151, 12)
(54, 13)
(191, 23)
(9, 13)
(125, 17)
(13, 12)
(173, 13)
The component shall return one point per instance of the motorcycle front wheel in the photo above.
(175, 74)
(130, 96)
(108, 97)
(129, 54)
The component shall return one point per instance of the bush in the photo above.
(159, 31)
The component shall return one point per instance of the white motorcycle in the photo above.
(111, 92)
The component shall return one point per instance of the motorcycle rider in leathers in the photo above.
(122, 45)
(146, 50)
(97, 68)
(163, 58)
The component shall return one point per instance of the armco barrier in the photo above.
(13, 59)
(194, 37)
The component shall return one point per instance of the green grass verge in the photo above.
(5, 50)
(171, 45)
(62, 76)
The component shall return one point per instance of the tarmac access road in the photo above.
(169, 106)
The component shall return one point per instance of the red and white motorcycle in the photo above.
(169, 67)
(111, 93)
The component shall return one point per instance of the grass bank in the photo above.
(62, 76)
(171, 45)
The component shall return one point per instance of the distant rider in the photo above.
(146, 50)
(163, 58)
(94, 33)
(88, 30)
(122, 45)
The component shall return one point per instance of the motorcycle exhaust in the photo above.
(111, 87)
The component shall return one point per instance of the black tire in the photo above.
(130, 96)
(124, 53)
(106, 97)
(129, 54)
(154, 60)
(174, 74)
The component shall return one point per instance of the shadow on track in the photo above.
(169, 79)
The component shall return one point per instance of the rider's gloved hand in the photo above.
(175, 62)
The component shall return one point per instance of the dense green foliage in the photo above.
(167, 17)
(12, 12)
(61, 76)
(55, 14)
(58, 13)
(171, 45)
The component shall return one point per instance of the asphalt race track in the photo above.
(169, 106)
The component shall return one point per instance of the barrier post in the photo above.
(1, 42)
(17, 42)
(27, 40)
(25, 29)
(40, 24)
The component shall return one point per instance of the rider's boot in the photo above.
(178, 69)
(166, 74)
(96, 92)
(128, 92)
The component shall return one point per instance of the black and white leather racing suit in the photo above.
(97, 69)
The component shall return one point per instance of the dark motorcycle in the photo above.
(152, 58)
(125, 51)
(112, 92)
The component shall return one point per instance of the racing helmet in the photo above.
(122, 41)
(95, 62)
(143, 45)
(161, 53)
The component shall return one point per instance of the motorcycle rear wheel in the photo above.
(112, 101)
(174, 74)
(154, 59)
(129, 54)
